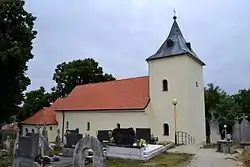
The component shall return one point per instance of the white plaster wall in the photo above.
(178, 70)
(196, 101)
(51, 133)
(102, 120)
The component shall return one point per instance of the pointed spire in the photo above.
(175, 44)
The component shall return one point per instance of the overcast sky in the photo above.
(121, 34)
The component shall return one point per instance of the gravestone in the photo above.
(124, 137)
(143, 133)
(103, 135)
(245, 132)
(236, 134)
(27, 151)
(88, 142)
(45, 139)
(7, 143)
(58, 141)
(72, 137)
(16, 142)
(214, 130)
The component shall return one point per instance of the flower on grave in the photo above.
(142, 143)
(111, 139)
(110, 133)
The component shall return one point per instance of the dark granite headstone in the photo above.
(28, 150)
(28, 146)
(124, 136)
(103, 135)
(143, 133)
(72, 137)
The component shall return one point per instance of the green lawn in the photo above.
(163, 160)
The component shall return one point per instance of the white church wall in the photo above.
(174, 69)
(196, 101)
(52, 131)
(102, 120)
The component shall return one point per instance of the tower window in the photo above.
(88, 125)
(165, 85)
(26, 130)
(118, 126)
(196, 83)
(32, 130)
(50, 128)
(170, 43)
(165, 129)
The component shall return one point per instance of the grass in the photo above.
(5, 161)
(162, 160)
(245, 157)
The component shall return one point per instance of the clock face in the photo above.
(170, 43)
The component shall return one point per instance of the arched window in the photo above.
(50, 128)
(118, 126)
(165, 129)
(165, 85)
(32, 130)
(88, 125)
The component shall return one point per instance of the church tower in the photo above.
(176, 72)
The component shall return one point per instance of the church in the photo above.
(169, 100)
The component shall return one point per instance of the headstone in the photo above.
(72, 137)
(245, 132)
(124, 137)
(28, 146)
(45, 138)
(88, 142)
(58, 140)
(214, 130)
(143, 133)
(103, 135)
(27, 151)
(236, 134)
(16, 142)
(7, 143)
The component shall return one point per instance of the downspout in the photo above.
(63, 126)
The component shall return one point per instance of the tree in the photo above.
(242, 98)
(68, 75)
(16, 35)
(33, 102)
(213, 96)
(223, 105)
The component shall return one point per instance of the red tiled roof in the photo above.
(38, 118)
(10, 127)
(125, 94)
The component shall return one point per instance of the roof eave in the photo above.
(190, 54)
(141, 109)
(39, 124)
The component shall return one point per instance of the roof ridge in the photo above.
(112, 81)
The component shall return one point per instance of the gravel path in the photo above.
(206, 157)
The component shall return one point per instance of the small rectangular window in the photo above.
(88, 126)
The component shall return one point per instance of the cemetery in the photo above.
(110, 147)
(129, 146)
